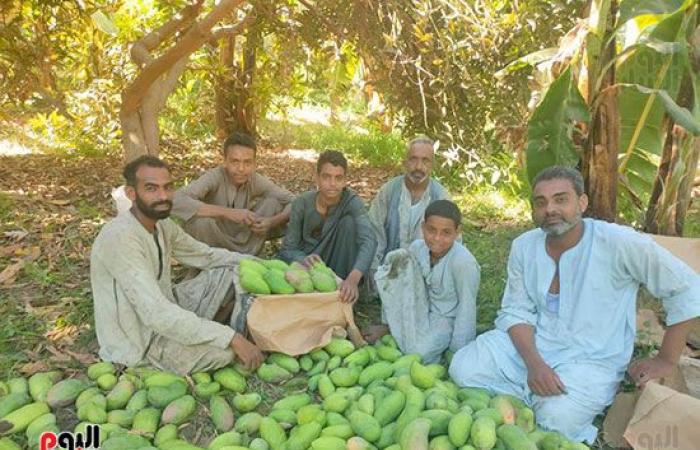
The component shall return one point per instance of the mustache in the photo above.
(164, 202)
(417, 174)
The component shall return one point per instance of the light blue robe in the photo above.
(590, 341)
(429, 309)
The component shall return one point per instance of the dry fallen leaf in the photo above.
(31, 368)
(9, 274)
(60, 202)
(17, 235)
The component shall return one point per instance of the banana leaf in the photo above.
(649, 82)
(552, 124)
(630, 9)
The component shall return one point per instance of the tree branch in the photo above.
(170, 80)
(330, 25)
(140, 51)
(194, 38)
(233, 30)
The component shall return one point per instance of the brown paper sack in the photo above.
(685, 249)
(664, 419)
(299, 323)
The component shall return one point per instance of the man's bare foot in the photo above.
(375, 332)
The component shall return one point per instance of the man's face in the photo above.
(439, 234)
(239, 162)
(419, 162)
(556, 208)
(153, 193)
(331, 182)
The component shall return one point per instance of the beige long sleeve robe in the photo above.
(259, 195)
(140, 317)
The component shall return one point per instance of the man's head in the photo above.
(331, 171)
(239, 157)
(148, 186)
(441, 226)
(418, 163)
(558, 200)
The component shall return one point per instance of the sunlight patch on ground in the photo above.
(305, 154)
(311, 114)
(10, 148)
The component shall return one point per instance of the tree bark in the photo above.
(223, 84)
(599, 162)
(671, 192)
(243, 102)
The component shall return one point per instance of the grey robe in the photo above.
(344, 240)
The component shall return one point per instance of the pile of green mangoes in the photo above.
(273, 276)
(340, 398)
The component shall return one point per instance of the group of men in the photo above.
(564, 335)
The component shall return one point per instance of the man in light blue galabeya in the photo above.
(397, 211)
(565, 333)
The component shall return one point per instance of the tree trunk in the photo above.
(223, 87)
(672, 190)
(599, 162)
(685, 189)
(235, 105)
(144, 97)
(243, 94)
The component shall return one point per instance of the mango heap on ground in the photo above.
(337, 398)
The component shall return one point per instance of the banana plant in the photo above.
(622, 81)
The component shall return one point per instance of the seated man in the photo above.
(330, 223)
(397, 210)
(233, 206)
(566, 329)
(140, 317)
(428, 291)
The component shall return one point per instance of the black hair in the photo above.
(131, 168)
(333, 157)
(446, 209)
(561, 173)
(242, 139)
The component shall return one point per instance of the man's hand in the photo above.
(544, 381)
(262, 226)
(241, 216)
(310, 260)
(647, 369)
(375, 332)
(349, 293)
(249, 354)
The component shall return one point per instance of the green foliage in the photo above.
(651, 64)
(643, 108)
(549, 133)
(428, 68)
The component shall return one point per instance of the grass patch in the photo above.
(6, 207)
(373, 146)
(38, 272)
(19, 331)
(492, 219)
